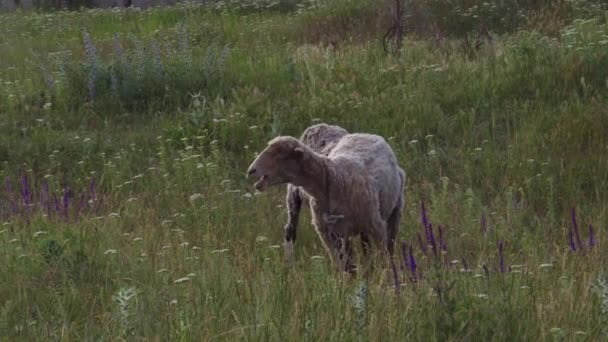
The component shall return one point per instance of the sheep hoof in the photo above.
(289, 251)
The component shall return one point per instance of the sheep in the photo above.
(321, 138)
(357, 188)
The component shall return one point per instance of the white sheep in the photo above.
(356, 189)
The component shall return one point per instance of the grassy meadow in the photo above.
(125, 135)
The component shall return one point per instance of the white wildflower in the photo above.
(261, 238)
(182, 280)
(194, 197)
(219, 251)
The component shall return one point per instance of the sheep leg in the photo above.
(365, 244)
(342, 248)
(378, 232)
(392, 225)
(338, 247)
(294, 204)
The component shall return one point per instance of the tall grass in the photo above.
(504, 148)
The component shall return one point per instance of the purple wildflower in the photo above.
(423, 246)
(591, 237)
(91, 53)
(91, 84)
(423, 216)
(412, 263)
(501, 257)
(89, 48)
(575, 227)
(57, 204)
(25, 191)
(571, 243)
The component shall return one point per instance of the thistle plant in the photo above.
(125, 300)
(360, 306)
(601, 289)
(91, 53)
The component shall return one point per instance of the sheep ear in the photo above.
(298, 153)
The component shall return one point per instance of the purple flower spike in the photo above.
(412, 264)
(591, 237)
(57, 204)
(422, 244)
(575, 227)
(91, 53)
(423, 217)
(25, 191)
(571, 243)
(501, 257)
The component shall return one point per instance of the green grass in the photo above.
(181, 248)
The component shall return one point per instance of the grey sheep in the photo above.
(356, 189)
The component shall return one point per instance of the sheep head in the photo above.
(279, 163)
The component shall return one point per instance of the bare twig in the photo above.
(395, 31)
